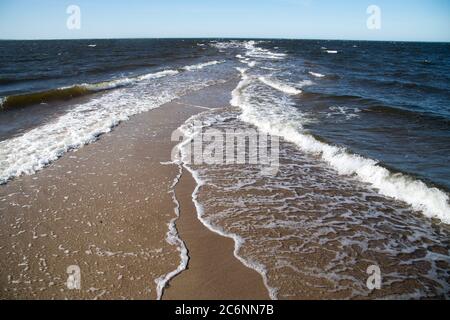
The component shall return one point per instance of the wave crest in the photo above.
(433, 202)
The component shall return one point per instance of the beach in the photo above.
(106, 208)
(213, 272)
(223, 169)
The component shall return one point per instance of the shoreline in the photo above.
(213, 272)
(107, 208)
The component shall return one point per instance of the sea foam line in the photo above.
(238, 241)
(316, 74)
(173, 238)
(278, 85)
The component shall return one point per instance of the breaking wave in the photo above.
(282, 122)
(78, 90)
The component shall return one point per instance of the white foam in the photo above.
(202, 65)
(332, 51)
(33, 150)
(256, 52)
(84, 123)
(431, 201)
(251, 64)
(349, 113)
(113, 84)
(189, 133)
(315, 74)
(157, 75)
(107, 84)
(270, 68)
(173, 239)
(278, 85)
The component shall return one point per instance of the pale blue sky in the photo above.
(411, 20)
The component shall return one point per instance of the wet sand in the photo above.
(213, 272)
(105, 208)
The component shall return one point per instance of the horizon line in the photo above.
(225, 38)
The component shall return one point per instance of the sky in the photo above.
(407, 20)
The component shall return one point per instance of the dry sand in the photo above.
(106, 208)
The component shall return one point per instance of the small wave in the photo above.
(270, 69)
(248, 62)
(157, 75)
(332, 51)
(315, 74)
(173, 239)
(67, 93)
(92, 45)
(201, 65)
(23, 100)
(278, 85)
